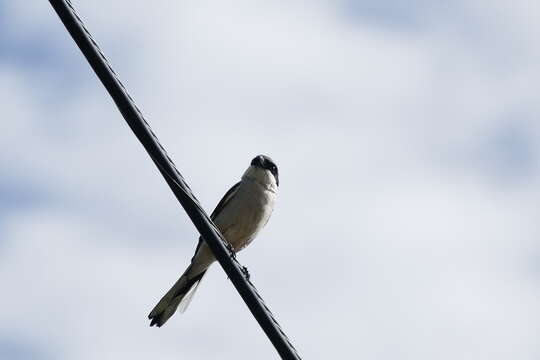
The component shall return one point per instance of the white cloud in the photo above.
(394, 239)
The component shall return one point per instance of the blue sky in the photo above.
(407, 137)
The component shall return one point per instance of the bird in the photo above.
(242, 212)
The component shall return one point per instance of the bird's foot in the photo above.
(246, 272)
(231, 250)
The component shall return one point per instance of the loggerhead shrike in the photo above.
(241, 213)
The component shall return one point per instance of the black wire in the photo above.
(174, 179)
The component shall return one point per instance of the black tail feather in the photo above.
(160, 318)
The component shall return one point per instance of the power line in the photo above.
(174, 179)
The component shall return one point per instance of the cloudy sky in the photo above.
(408, 139)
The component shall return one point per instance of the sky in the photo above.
(407, 135)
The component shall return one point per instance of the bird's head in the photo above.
(263, 170)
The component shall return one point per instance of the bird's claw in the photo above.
(231, 250)
(246, 272)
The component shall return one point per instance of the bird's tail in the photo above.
(178, 297)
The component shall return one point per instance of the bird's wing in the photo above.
(220, 206)
(224, 201)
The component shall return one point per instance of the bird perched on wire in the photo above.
(239, 216)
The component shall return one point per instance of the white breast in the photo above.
(246, 214)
